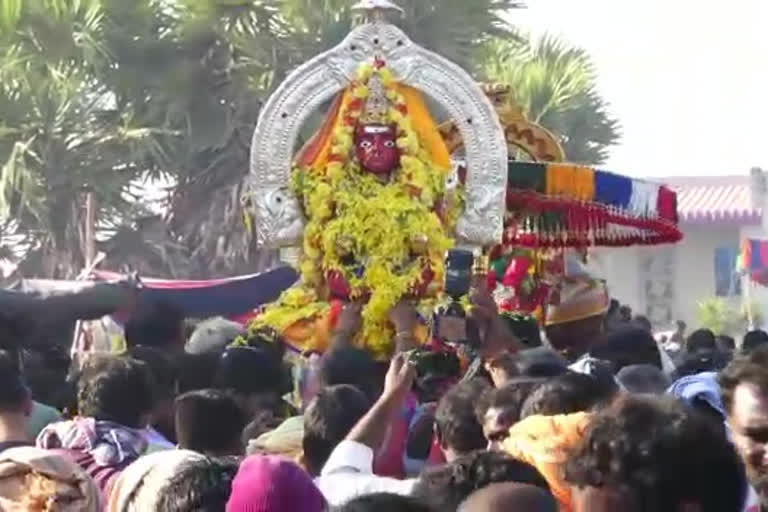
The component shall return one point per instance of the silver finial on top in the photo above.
(376, 9)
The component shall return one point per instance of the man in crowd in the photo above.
(328, 420)
(115, 402)
(651, 454)
(744, 388)
(575, 322)
(458, 429)
(210, 421)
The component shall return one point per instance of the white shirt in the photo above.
(753, 502)
(349, 474)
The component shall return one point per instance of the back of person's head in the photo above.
(213, 336)
(384, 502)
(272, 484)
(195, 372)
(692, 363)
(200, 484)
(458, 428)
(644, 379)
(725, 343)
(155, 324)
(627, 346)
(14, 396)
(754, 339)
(250, 371)
(163, 370)
(508, 497)
(501, 409)
(701, 339)
(328, 420)
(352, 366)
(658, 455)
(643, 323)
(540, 362)
(115, 388)
(210, 421)
(567, 394)
(525, 328)
(446, 487)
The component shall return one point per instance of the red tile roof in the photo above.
(715, 199)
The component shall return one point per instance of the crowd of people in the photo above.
(599, 417)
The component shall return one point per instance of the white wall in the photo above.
(693, 269)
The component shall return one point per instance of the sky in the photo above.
(687, 79)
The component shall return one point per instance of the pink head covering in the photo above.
(272, 484)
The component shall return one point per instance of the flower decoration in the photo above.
(381, 237)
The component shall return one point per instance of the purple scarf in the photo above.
(109, 443)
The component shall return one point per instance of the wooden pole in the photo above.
(90, 229)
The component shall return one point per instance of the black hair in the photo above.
(627, 346)
(749, 368)
(13, 392)
(202, 485)
(691, 363)
(353, 366)
(643, 378)
(525, 328)
(209, 421)
(195, 371)
(725, 343)
(540, 362)
(384, 502)
(567, 394)
(162, 368)
(115, 388)
(456, 419)
(701, 339)
(155, 324)
(510, 398)
(642, 322)
(328, 420)
(662, 454)
(249, 371)
(446, 487)
(754, 339)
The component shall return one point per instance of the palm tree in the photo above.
(60, 132)
(555, 85)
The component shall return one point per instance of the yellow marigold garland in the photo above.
(351, 213)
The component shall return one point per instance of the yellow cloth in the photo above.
(32, 479)
(546, 442)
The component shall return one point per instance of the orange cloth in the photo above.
(316, 152)
(546, 442)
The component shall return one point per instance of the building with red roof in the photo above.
(667, 282)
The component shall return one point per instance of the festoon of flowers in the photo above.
(365, 229)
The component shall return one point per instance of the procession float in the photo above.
(368, 207)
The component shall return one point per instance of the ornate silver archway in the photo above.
(278, 221)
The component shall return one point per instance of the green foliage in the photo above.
(722, 317)
(555, 85)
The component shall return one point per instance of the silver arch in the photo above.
(277, 219)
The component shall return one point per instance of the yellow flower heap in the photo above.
(380, 236)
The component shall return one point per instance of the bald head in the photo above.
(510, 497)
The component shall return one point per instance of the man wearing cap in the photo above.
(575, 315)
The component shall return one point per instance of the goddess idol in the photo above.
(372, 202)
